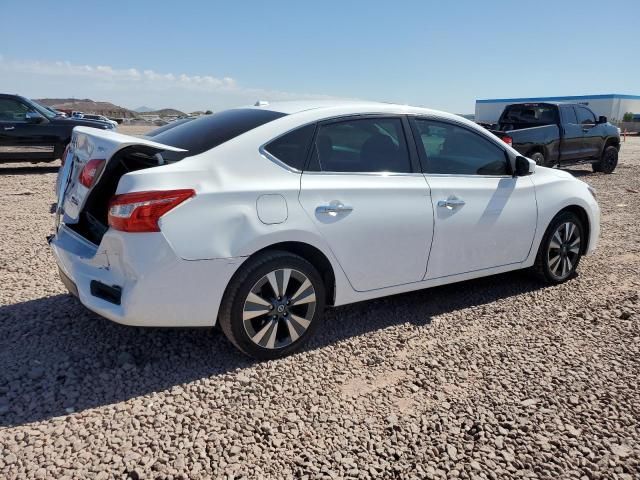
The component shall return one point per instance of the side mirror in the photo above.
(524, 166)
(602, 119)
(33, 117)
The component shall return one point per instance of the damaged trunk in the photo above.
(94, 164)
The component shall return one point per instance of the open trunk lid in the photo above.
(93, 144)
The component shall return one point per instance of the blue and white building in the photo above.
(612, 105)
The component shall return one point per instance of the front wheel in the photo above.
(272, 305)
(608, 162)
(561, 249)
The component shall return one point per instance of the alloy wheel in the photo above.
(279, 308)
(564, 250)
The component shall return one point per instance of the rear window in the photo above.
(209, 131)
(530, 113)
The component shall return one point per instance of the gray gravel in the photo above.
(490, 379)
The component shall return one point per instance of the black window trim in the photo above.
(411, 149)
(423, 154)
(269, 156)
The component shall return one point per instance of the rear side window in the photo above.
(585, 116)
(209, 131)
(454, 150)
(293, 147)
(361, 145)
(568, 114)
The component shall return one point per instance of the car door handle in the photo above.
(585, 130)
(336, 207)
(9, 128)
(451, 203)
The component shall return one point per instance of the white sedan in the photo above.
(259, 217)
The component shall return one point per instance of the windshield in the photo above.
(41, 109)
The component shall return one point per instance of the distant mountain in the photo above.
(87, 105)
(107, 109)
(143, 109)
(166, 112)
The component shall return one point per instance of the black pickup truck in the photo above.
(559, 134)
(28, 131)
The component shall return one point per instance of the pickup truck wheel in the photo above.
(608, 162)
(538, 158)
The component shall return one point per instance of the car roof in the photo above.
(344, 107)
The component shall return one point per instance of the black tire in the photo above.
(546, 267)
(538, 157)
(272, 328)
(608, 162)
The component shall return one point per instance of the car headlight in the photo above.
(592, 191)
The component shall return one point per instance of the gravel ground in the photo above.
(497, 378)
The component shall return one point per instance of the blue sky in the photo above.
(205, 54)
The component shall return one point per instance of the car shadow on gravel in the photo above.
(56, 357)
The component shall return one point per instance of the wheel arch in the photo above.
(610, 142)
(537, 149)
(314, 256)
(581, 213)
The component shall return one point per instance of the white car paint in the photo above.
(395, 239)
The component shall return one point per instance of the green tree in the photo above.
(627, 117)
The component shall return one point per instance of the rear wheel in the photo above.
(272, 305)
(537, 157)
(561, 248)
(608, 162)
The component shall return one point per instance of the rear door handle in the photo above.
(9, 128)
(451, 203)
(334, 207)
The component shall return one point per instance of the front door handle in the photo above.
(9, 128)
(334, 208)
(451, 203)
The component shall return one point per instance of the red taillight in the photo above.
(91, 171)
(508, 140)
(140, 211)
(64, 154)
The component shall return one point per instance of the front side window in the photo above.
(450, 149)
(12, 110)
(361, 145)
(585, 116)
(293, 147)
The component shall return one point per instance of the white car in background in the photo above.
(102, 118)
(259, 217)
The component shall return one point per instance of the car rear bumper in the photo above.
(136, 279)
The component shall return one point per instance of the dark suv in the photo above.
(29, 131)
